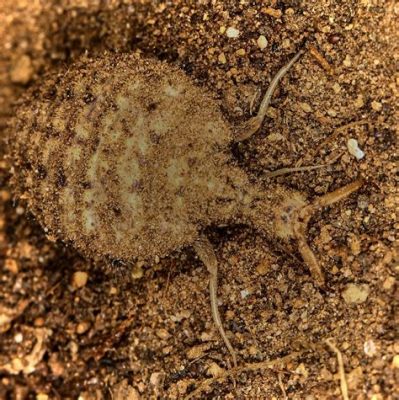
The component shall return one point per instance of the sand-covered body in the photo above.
(124, 157)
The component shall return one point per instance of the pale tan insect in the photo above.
(126, 158)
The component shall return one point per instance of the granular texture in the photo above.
(123, 157)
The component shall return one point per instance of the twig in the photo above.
(165, 291)
(289, 170)
(280, 383)
(338, 131)
(299, 168)
(321, 59)
(252, 103)
(247, 367)
(342, 377)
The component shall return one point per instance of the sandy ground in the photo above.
(146, 332)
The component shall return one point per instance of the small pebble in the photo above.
(355, 245)
(157, 378)
(137, 270)
(113, 290)
(20, 210)
(355, 377)
(306, 107)
(222, 58)
(18, 338)
(253, 350)
(272, 113)
(376, 106)
(5, 195)
(370, 348)
(273, 12)
(334, 39)
(74, 348)
(79, 279)
(262, 268)
(39, 321)
(359, 102)
(389, 283)
(347, 61)
(167, 350)
(286, 44)
(240, 52)
(182, 386)
(262, 42)
(356, 294)
(354, 150)
(57, 368)
(245, 293)
(232, 33)
(11, 265)
(331, 112)
(336, 87)
(82, 327)
(214, 370)
(302, 370)
(289, 11)
(197, 351)
(395, 361)
(326, 375)
(22, 70)
(163, 334)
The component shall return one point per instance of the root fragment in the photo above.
(282, 388)
(28, 363)
(264, 365)
(247, 367)
(338, 131)
(321, 59)
(300, 168)
(284, 171)
(342, 377)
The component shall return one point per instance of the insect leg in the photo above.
(207, 255)
(250, 127)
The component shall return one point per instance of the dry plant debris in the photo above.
(27, 363)
(342, 377)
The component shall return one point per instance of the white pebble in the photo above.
(245, 293)
(370, 348)
(232, 32)
(262, 42)
(18, 338)
(353, 148)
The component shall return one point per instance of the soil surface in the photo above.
(75, 328)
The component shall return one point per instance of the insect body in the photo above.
(126, 158)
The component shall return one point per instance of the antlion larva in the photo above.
(126, 158)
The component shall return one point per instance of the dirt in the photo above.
(146, 331)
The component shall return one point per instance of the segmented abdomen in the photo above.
(121, 156)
